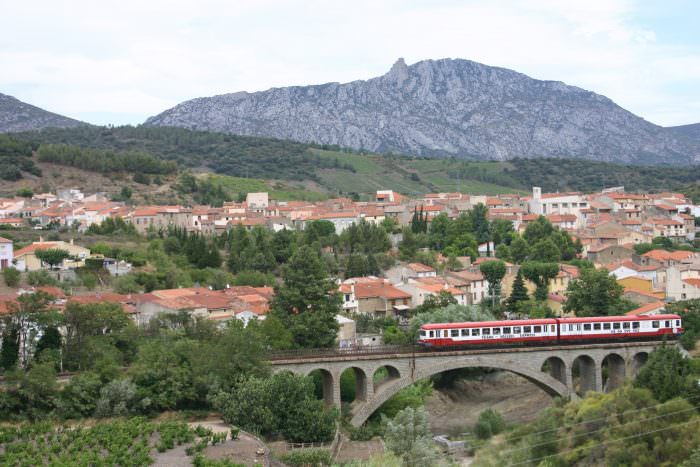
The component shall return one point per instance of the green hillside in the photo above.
(306, 171)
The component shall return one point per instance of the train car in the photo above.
(619, 327)
(444, 335)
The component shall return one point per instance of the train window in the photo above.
(571, 327)
(616, 325)
(587, 327)
(538, 329)
(486, 332)
(596, 326)
(527, 329)
(655, 324)
(506, 330)
(516, 330)
(635, 325)
(475, 332)
(678, 323)
(606, 325)
(444, 333)
(432, 333)
(551, 328)
(422, 333)
(496, 331)
(454, 333)
(465, 332)
(667, 324)
(625, 325)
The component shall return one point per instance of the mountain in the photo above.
(16, 115)
(443, 108)
(686, 131)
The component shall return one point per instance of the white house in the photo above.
(558, 203)
(6, 253)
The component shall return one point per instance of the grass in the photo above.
(281, 191)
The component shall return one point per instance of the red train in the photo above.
(550, 330)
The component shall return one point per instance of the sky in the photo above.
(119, 62)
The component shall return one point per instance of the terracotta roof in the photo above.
(36, 246)
(663, 255)
(379, 288)
(420, 267)
(666, 222)
(556, 298)
(5, 240)
(693, 282)
(648, 308)
(558, 195)
(561, 218)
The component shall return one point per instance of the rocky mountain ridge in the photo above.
(444, 108)
(16, 115)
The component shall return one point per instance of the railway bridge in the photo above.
(566, 371)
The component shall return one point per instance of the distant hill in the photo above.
(687, 131)
(16, 115)
(444, 108)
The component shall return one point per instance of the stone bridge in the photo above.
(565, 371)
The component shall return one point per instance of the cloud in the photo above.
(117, 62)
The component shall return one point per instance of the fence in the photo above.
(346, 351)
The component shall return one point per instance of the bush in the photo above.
(11, 276)
(41, 278)
(308, 458)
(490, 423)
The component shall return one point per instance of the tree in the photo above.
(537, 230)
(9, 353)
(29, 315)
(436, 302)
(50, 340)
(666, 374)
(519, 250)
(489, 423)
(11, 276)
(479, 225)
(518, 294)
(545, 251)
(408, 436)
(493, 271)
(594, 293)
(125, 193)
(408, 246)
(540, 274)
(357, 266)
(308, 302)
(52, 256)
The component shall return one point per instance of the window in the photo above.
(506, 330)
(678, 323)
(432, 334)
(454, 333)
(422, 333)
(538, 329)
(606, 325)
(527, 329)
(625, 325)
(655, 324)
(516, 330)
(552, 328)
(496, 331)
(596, 326)
(475, 332)
(587, 327)
(635, 325)
(444, 333)
(571, 327)
(616, 325)
(486, 332)
(465, 332)
(667, 324)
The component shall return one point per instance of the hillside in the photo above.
(443, 108)
(299, 171)
(16, 115)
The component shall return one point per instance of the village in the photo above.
(607, 225)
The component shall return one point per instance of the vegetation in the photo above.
(15, 158)
(11, 276)
(596, 293)
(408, 436)
(489, 423)
(104, 161)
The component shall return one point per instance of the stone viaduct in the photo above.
(564, 371)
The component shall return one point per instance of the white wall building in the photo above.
(6, 253)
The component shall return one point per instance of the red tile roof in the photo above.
(648, 308)
(420, 267)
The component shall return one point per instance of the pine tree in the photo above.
(519, 292)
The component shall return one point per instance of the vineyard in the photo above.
(130, 442)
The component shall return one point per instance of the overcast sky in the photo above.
(122, 61)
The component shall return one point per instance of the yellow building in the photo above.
(25, 259)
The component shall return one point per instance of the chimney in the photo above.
(536, 192)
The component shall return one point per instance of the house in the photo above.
(472, 283)
(670, 228)
(683, 282)
(26, 259)
(257, 202)
(665, 258)
(421, 288)
(6, 253)
(629, 268)
(643, 284)
(402, 273)
(374, 296)
(557, 203)
(602, 255)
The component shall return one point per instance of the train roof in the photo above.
(487, 324)
(607, 319)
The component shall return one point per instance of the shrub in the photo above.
(308, 458)
(11, 276)
(490, 423)
(41, 278)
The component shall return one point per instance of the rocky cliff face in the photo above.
(15, 115)
(443, 107)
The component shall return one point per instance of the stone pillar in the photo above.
(598, 376)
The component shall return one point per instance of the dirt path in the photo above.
(247, 449)
(454, 411)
